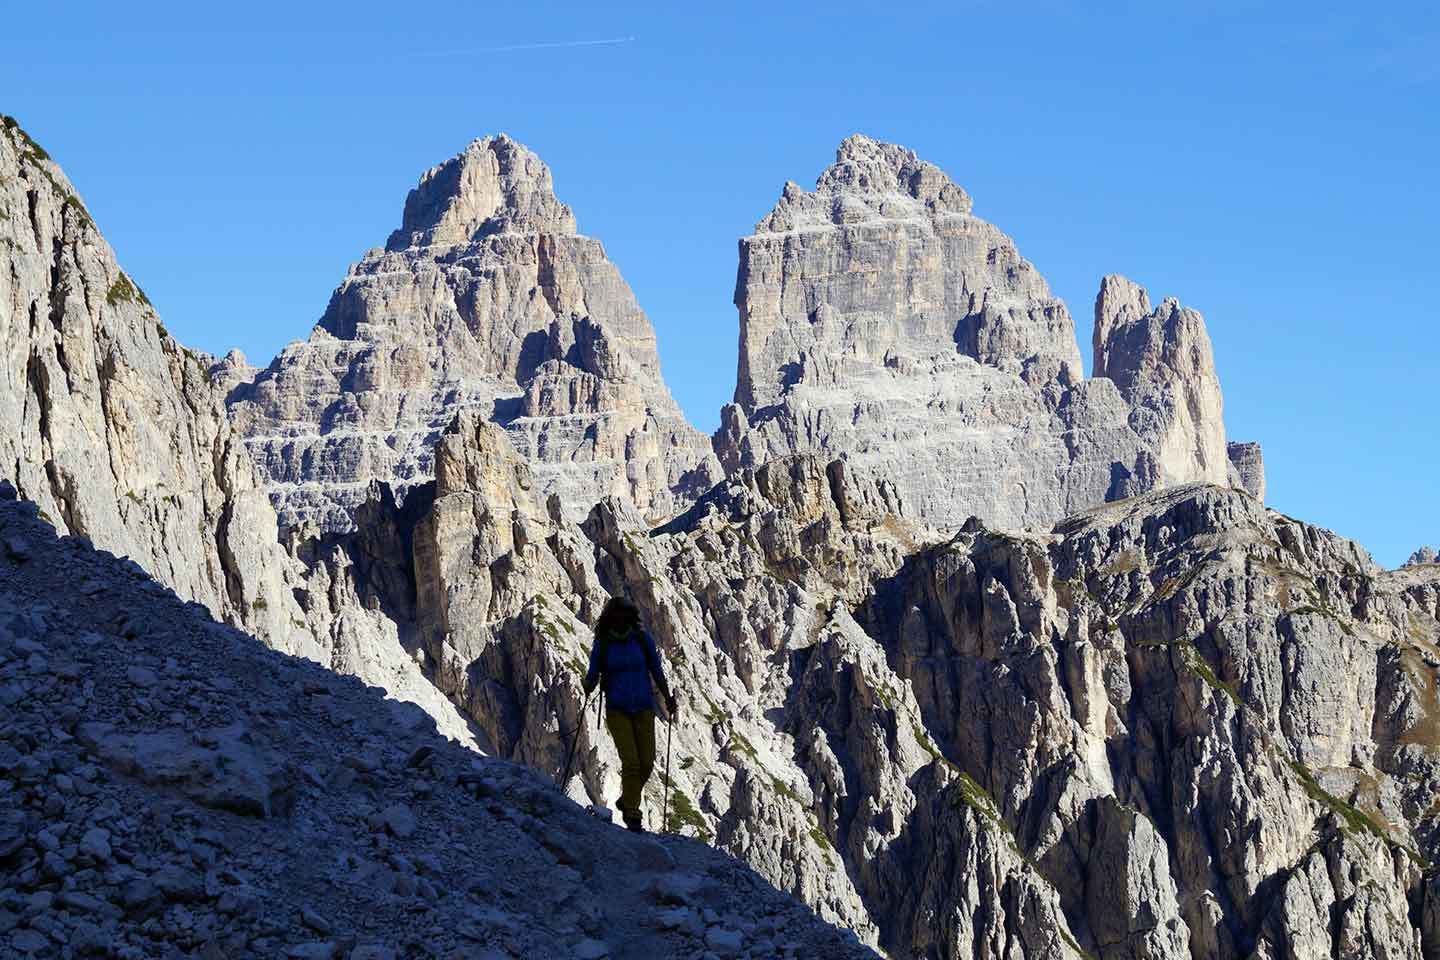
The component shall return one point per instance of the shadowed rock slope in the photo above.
(169, 787)
(484, 298)
(882, 321)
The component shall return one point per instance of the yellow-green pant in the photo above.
(634, 735)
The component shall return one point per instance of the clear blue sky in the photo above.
(1272, 164)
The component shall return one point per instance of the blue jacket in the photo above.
(629, 664)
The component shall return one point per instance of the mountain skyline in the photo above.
(1130, 710)
(1214, 171)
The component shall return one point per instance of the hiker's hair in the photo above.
(618, 618)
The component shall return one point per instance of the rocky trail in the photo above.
(172, 788)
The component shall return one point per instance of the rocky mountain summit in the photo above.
(881, 321)
(485, 297)
(1178, 724)
(172, 788)
(1423, 555)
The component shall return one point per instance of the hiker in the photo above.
(624, 658)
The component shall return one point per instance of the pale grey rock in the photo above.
(1130, 896)
(882, 322)
(1423, 555)
(119, 435)
(1162, 362)
(1247, 468)
(112, 427)
(486, 298)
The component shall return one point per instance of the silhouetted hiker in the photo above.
(624, 659)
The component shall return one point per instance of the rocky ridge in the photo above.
(112, 427)
(117, 433)
(484, 298)
(1423, 555)
(953, 743)
(948, 741)
(881, 321)
(173, 788)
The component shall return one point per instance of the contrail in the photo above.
(544, 45)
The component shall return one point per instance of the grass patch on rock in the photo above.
(683, 813)
(124, 290)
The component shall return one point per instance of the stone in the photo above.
(485, 285)
(312, 950)
(724, 943)
(142, 677)
(178, 884)
(589, 949)
(141, 894)
(1247, 468)
(89, 940)
(399, 820)
(952, 371)
(96, 844)
(1162, 363)
(681, 919)
(29, 941)
(17, 548)
(1422, 556)
(373, 951)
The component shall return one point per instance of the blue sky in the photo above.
(1271, 164)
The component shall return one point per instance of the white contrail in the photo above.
(543, 45)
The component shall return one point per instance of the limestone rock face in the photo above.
(1247, 468)
(1114, 737)
(485, 298)
(119, 434)
(1162, 362)
(881, 321)
(110, 425)
(1423, 555)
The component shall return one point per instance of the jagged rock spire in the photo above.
(1162, 361)
(882, 321)
(868, 180)
(486, 298)
(494, 185)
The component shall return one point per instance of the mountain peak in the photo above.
(869, 180)
(495, 185)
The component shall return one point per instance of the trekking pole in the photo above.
(665, 810)
(574, 739)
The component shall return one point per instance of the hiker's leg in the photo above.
(645, 743)
(622, 731)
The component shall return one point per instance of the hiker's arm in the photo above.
(652, 660)
(592, 676)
